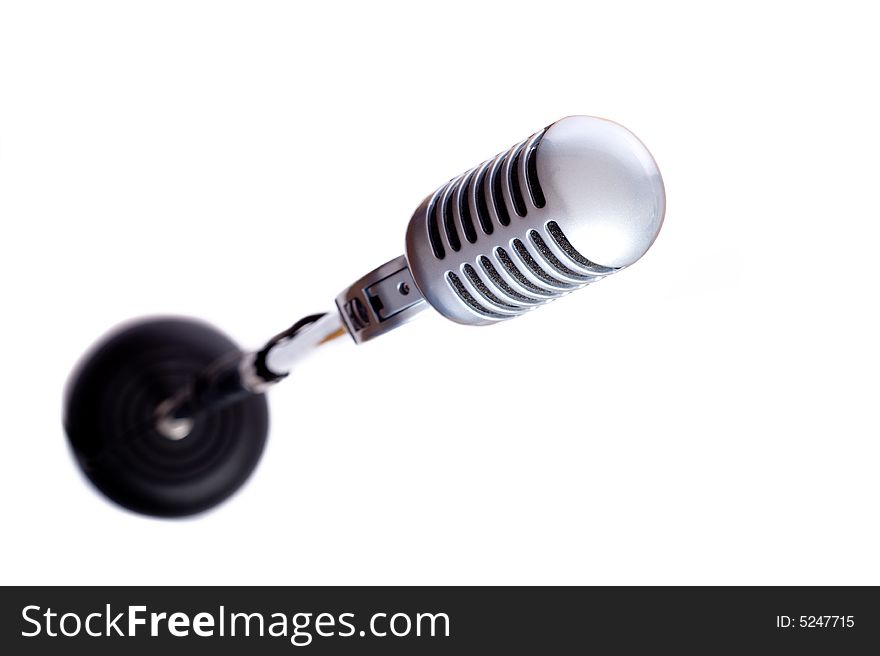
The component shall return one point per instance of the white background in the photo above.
(706, 416)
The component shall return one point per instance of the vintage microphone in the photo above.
(168, 417)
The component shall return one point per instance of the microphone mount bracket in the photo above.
(382, 300)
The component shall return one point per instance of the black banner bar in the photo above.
(439, 620)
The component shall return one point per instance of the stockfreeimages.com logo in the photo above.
(300, 628)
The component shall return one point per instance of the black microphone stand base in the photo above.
(110, 420)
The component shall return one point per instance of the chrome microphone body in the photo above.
(568, 206)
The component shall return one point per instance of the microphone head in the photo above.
(570, 205)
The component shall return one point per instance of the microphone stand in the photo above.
(378, 302)
(231, 378)
(168, 417)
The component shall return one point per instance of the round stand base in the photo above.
(109, 416)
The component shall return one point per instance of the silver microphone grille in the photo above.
(570, 205)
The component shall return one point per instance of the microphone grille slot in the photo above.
(464, 208)
(434, 231)
(565, 246)
(496, 192)
(466, 298)
(519, 203)
(482, 206)
(532, 181)
(449, 218)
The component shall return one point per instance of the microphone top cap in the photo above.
(605, 186)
